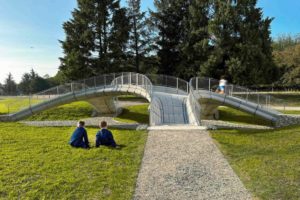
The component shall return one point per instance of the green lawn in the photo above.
(14, 104)
(291, 112)
(37, 163)
(72, 111)
(291, 99)
(134, 114)
(268, 162)
(237, 116)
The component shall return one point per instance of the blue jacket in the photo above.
(105, 137)
(79, 138)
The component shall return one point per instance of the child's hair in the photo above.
(223, 77)
(103, 124)
(81, 123)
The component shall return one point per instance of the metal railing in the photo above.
(97, 82)
(265, 101)
(169, 84)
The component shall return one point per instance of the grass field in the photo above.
(268, 162)
(237, 116)
(10, 104)
(290, 99)
(72, 111)
(134, 114)
(37, 163)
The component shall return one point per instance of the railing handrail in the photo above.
(268, 99)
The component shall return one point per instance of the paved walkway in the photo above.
(186, 165)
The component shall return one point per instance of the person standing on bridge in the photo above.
(222, 85)
(104, 136)
(79, 137)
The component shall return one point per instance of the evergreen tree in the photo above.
(10, 86)
(79, 43)
(240, 42)
(94, 37)
(169, 19)
(32, 83)
(140, 35)
(195, 47)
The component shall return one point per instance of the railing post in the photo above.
(177, 85)
(95, 83)
(29, 100)
(137, 79)
(197, 80)
(209, 84)
(72, 87)
(247, 94)
(187, 88)
(104, 81)
(122, 79)
(129, 78)
(57, 90)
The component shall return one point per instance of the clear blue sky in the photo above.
(30, 30)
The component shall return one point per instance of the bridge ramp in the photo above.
(172, 108)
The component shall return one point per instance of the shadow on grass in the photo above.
(129, 115)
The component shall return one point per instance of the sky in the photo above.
(30, 31)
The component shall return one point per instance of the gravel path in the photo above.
(94, 122)
(219, 124)
(186, 165)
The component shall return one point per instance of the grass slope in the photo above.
(37, 163)
(237, 116)
(268, 162)
(72, 111)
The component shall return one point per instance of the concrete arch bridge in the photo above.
(173, 101)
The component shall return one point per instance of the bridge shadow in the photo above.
(138, 114)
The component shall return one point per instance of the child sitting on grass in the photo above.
(79, 137)
(104, 136)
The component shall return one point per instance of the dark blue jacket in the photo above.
(105, 137)
(79, 138)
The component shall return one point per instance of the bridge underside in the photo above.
(210, 101)
(102, 99)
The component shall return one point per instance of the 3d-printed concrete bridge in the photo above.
(173, 101)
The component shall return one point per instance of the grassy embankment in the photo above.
(267, 161)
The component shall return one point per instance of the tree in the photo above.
(195, 47)
(140, 34)
(95, 37)
(10, 86)
(169, 19)
(32, 83)
(240, 43)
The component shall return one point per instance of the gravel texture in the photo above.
(219, 124)
(186, 165)
(94, 122)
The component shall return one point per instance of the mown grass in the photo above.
(38, 163)
(73, 111)
(237, 116)
(291, 112)
(268, 162)
(11, 104)
(134, 114)
(290, 99)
